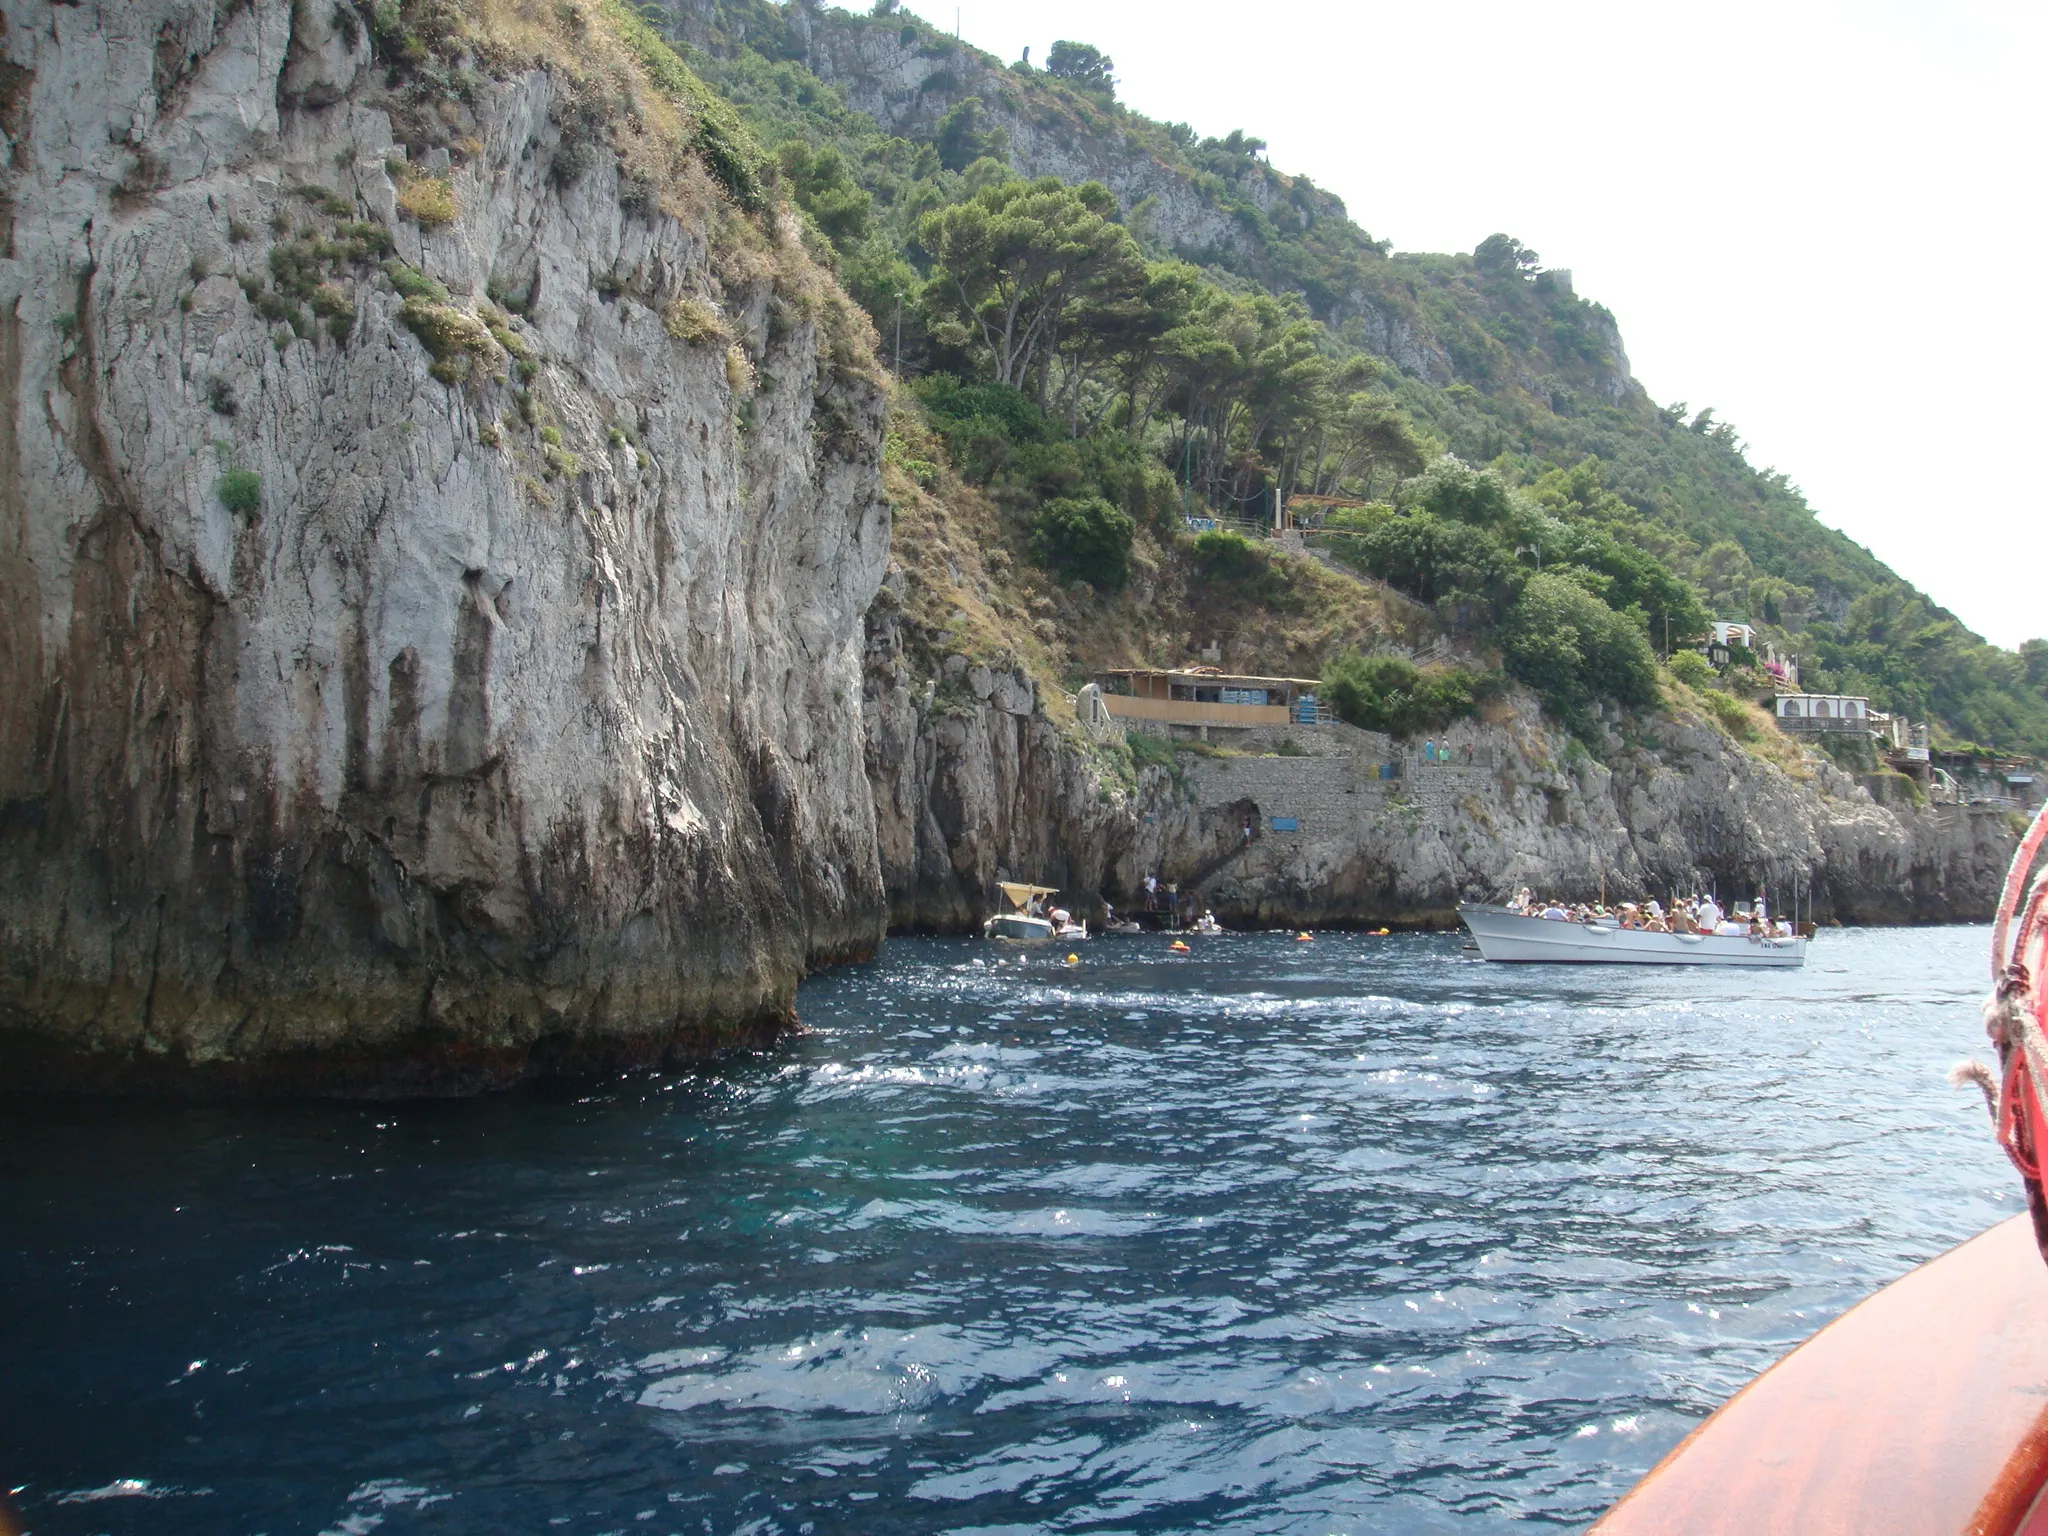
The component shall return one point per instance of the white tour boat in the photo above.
(1505, 934)
(1021, 923)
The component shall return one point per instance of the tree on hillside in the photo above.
(1505, 255)
(2034, 665)
(1136, 331)
(825, 189)
(1079, 64)
(1572, 648)
(966, 135)
(1454, 490)
(1437, 560)
(1009, 261)
(1372, 436)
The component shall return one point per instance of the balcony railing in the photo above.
(1822, 723)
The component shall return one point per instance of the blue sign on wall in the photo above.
(1286, 824)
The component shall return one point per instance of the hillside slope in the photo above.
(1491, 357)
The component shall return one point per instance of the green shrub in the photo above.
(985, 424)
(412, 283)
(693, 321)
(455, 338)
(1691, 669)
(429, 200)
(328, 202)
(1149, 751)
(1245, 566)
(1435, 559)
(241, 490)
(1392, 694)
(1572, 648)
(1085, 536)
(1736, 717)
(1221, 555)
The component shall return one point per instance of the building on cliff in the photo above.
(1197, 700)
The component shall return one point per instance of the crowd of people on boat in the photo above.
(1687, 914)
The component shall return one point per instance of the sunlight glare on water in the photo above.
(1356, 1236)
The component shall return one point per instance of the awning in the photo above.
(1019, 895)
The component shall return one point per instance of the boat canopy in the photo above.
(1020, 895)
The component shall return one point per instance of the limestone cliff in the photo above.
(1384, 834)
(435, 528)
(1328, 825)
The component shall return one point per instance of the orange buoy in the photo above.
(1179, 948)
(1304, 938)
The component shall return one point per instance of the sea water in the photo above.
(1358, 1235)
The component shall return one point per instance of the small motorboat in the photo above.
(1207, 923)
(1024, 922)
(1124, 926)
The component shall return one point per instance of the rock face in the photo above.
(1512, 804)
(408, 695)
(1380, 834)
(975, 787)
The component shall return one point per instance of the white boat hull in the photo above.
(1014, 925)
(1020, 929)
(1508, 936)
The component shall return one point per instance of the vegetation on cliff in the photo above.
(1280, 349)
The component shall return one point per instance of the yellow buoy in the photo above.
(1303, 938)
(1073, 959)
(1178, 948)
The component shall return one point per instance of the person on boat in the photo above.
(1654, 923)
(1631, 915)
(1708, 914)
(1524, 900)
(1556, 914)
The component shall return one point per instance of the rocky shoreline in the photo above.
(442, 638)
(1384, 838)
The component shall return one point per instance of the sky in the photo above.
(1821, 219)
